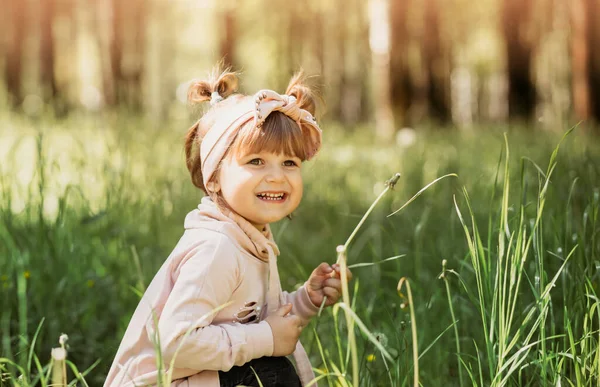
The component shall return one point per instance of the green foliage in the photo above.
(91, 208)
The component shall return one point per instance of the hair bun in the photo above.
(224, 82)
(305, 96)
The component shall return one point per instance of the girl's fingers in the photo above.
(332, 294)
(323, 268)
(336, 273)
(333, 283)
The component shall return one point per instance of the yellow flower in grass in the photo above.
(371, 358)
(27, 274)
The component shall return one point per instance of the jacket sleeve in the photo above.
(302, 306)
(205, 282)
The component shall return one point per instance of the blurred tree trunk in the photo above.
(436, 64)
(516, 23)
(352, 95)
(379, 40)
(579, 59)
(157, 58)
(116, 55)
(47, 75)
(137, 49)
(127, 48)
(593, 41)
(335, 55)
(17, 11)
(318, 40)
(295, 34)
(402, 90)
(341, 36)
(228, 38)
(104, 30)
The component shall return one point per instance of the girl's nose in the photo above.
(275, 175)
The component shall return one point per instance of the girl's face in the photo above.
(262, 187)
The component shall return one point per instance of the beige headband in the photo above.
(222, 133)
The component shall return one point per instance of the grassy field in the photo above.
(502, 261)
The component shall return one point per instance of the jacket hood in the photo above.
(209, 216)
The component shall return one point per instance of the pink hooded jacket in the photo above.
(221, 261)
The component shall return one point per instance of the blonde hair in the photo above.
(278, 134)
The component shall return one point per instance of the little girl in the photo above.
(215, 311)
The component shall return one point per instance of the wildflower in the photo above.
(59, 354)
(382, 338)
(27, 274)
(371, 358)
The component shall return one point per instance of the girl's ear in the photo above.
(211, 186)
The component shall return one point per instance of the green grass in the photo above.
(91, 206)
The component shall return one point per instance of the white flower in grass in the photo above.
(381, 338)
(59, 354)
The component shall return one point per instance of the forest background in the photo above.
(94, 188)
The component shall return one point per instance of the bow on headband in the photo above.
(257, 108)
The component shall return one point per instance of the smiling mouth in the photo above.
(272, 197)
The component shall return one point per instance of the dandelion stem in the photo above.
(413, 323)
(388, 185)
(341, 251)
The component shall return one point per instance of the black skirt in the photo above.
(272, 372)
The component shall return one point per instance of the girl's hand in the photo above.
(325, 281)
(286, 330)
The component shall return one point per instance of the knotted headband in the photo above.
(224, 129)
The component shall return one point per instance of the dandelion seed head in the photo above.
(59, 354)
(381, 338)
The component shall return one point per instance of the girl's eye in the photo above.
(255, 162)
(290, 163)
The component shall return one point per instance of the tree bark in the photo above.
(516, 19)
(593, 40)
(437, 65)
(104, 36)
(135, 74)
(14, 51)
(116, 53)
(401, 86)
(229, 36)
(579, 59)
(352, 96)
(379, 39)
(47, 76)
